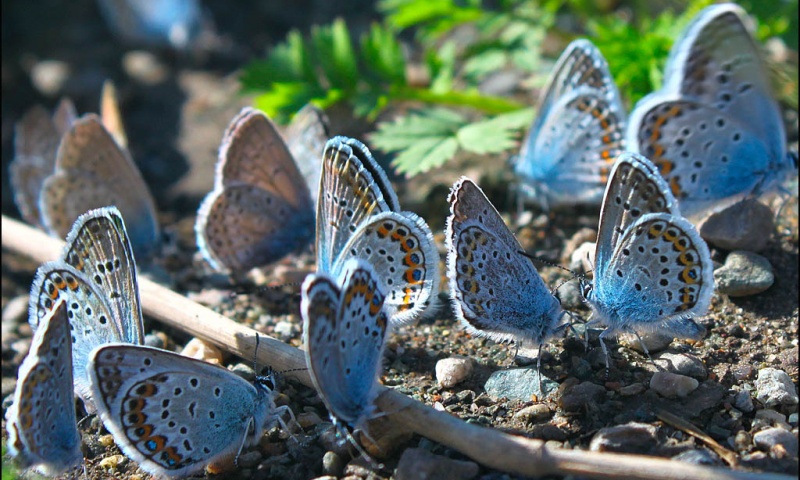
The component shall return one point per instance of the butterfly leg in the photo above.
(605, 351)
(644, 347)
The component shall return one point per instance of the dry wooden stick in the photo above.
(490, 447)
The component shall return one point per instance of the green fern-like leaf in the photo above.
(427, 139)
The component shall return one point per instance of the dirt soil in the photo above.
(176, 107)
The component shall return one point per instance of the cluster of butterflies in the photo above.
(714, 135)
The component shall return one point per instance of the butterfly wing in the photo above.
(400, 248)
(41, 423)
(98, 246)
(91, 319)
(568, 159)
(35, 144)
(173, 414)
(306, 137)
(659, 277)
(496, 290)
(260, 208)
(92, 172)
(352, 189)
(634, 189)
(577, 131)
(345, 331)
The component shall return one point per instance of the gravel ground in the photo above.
(738, 385)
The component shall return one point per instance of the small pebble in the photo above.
(245, 371)
(743, 401)
(775, 387)
(332, 464)
(570, 295)
(745, 225)
(632, 390)
(533, 413)
(742, 441)
(202, 350)
(416, 463)
(578, 397)
(249, 459)
(682, 364)
(744, 273)
(452, 371)
(144, 67)
(284, 330)
(112, 462)
(582, 259)
(49, 76)
(769, 418)
(308, 419)
(629, 438)
(771, 437)
(671, 385)
(699, 456)
(654, 341)
(106, 440)
(581, 237)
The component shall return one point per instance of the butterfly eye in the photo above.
(586, 289)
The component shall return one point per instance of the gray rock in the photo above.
(743, 401)
(576, 398)
(769, 418)
(570, 295)
(682, 364)
(418, 463)
(629, 438)
(772, 437)
(581, 260)
(699, 456)
(744, 273)
(775, 387)
(671, 385)
(519, 384)
(745, 225)
(332, 464)
(452, 371)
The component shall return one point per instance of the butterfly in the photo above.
(713, 130)
(96, 278)
(261, 207)
(173, 414)
(359, 216)
(578, 131)
(344, 327)
(496, 290)
(41, 423)
(652, 271)
(36, 139)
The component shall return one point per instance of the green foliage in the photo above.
(327, 68)
(428, 138)
(510, 35)
(8, 470)
(637, 51)
(461, 42)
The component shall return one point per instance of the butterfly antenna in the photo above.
(550, 264)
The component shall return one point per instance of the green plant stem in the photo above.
(484, 103)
